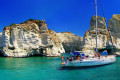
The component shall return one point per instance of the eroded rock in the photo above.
(30, 38)
(70, 41)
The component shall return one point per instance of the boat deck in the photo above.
(92, 61)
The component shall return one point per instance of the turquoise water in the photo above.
(46, 68)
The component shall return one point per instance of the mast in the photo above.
(96, 22)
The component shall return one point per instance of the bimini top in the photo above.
(76, 53)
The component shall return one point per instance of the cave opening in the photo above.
(1, 54)
(40, 53)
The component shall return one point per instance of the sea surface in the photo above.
(48, 68)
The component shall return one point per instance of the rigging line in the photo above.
(105, 20)
(103, 14)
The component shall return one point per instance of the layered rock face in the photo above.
(30, 38)
(105, 36)
(89, 41)
(114, 25)
(70, 41)
(100, 25)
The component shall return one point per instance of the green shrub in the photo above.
(12, 24)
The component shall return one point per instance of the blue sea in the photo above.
(48, 68)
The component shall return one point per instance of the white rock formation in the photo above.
(117, 43)
(30, 38)
(114, 25)
(0, 40)
(90, 41)
(70, 41)
(33, 38)
(103, 38)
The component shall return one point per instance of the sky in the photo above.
(60, 15)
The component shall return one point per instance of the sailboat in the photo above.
(94, 61)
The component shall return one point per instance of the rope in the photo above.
(106, 24)
(103, 14)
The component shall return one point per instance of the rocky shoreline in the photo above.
(33, 37)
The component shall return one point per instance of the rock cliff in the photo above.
(70, 41)
(0, 40)
(110, 36)
(114, 25)
(29, 38)
(89, 41)
(33, 37)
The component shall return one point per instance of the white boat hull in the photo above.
(91, 62)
